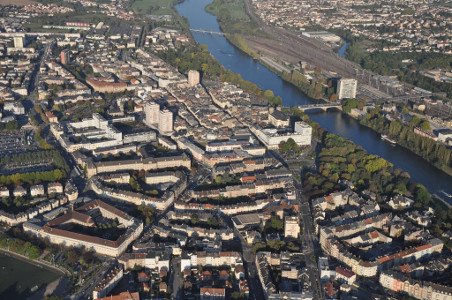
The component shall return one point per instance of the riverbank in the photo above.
(22, 278)
(311, 89)
(39, 263)
(252, 70)
(424, 147)
(272, 53)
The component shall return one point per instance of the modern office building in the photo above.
(291, 227)
(165, 121)
(18, 42)
(152, 112)
(272, 137)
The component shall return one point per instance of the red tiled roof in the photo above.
(73, 215)
(374, 234)
(98, 83)
(122, 296)
(423, 247)
(405, 268)
(329, 289)
(345, 272)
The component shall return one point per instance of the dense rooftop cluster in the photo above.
(392, 25)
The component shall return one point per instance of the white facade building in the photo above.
(165, 121)
(346, 88)
(152, 112)
(291, 227)
(18, 42)
(272, 137)
(194, 78)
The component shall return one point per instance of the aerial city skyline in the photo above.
(225, 149)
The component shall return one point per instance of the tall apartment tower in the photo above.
(65, 57)
(346, 88)
(18, 42)
(152, 113)
(166, 121)
(291, 227)
(194, 78)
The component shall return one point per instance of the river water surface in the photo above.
(235, 60)
(18, 277)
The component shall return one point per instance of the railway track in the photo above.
(285, 42)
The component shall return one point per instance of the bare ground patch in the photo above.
(17, 2)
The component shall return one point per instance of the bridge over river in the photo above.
(320, 106)
(207, 32)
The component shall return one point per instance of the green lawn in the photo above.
(232, 17)
(233, 9)
(154, 7)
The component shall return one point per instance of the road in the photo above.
(249, 262)
(175, 279)
(309, 249)
(34, 80)
(308, 233)
(95, 276)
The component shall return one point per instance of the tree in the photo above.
(238, 296)
(289, 145)
(274, 224)
(218, 179)
(421, 196)
(425, 125)
(134, 184)
(147, 212)
(276, 245)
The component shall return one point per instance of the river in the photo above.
(343, 49)
(235, 60)
(18, 276)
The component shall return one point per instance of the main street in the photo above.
(307, 224)
(34, 80)
(175, 279)
(309, 249)
(249, 261)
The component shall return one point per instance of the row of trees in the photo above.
(19, 246)
(32, 177)
(276, 246)
(434, 152)
(211, 222)
(13, 205)
(314, 89)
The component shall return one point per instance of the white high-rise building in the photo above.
(291, 227)
(152, 113)
(166, 121)
(346, 88)
(194, 78)
(18, 42)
